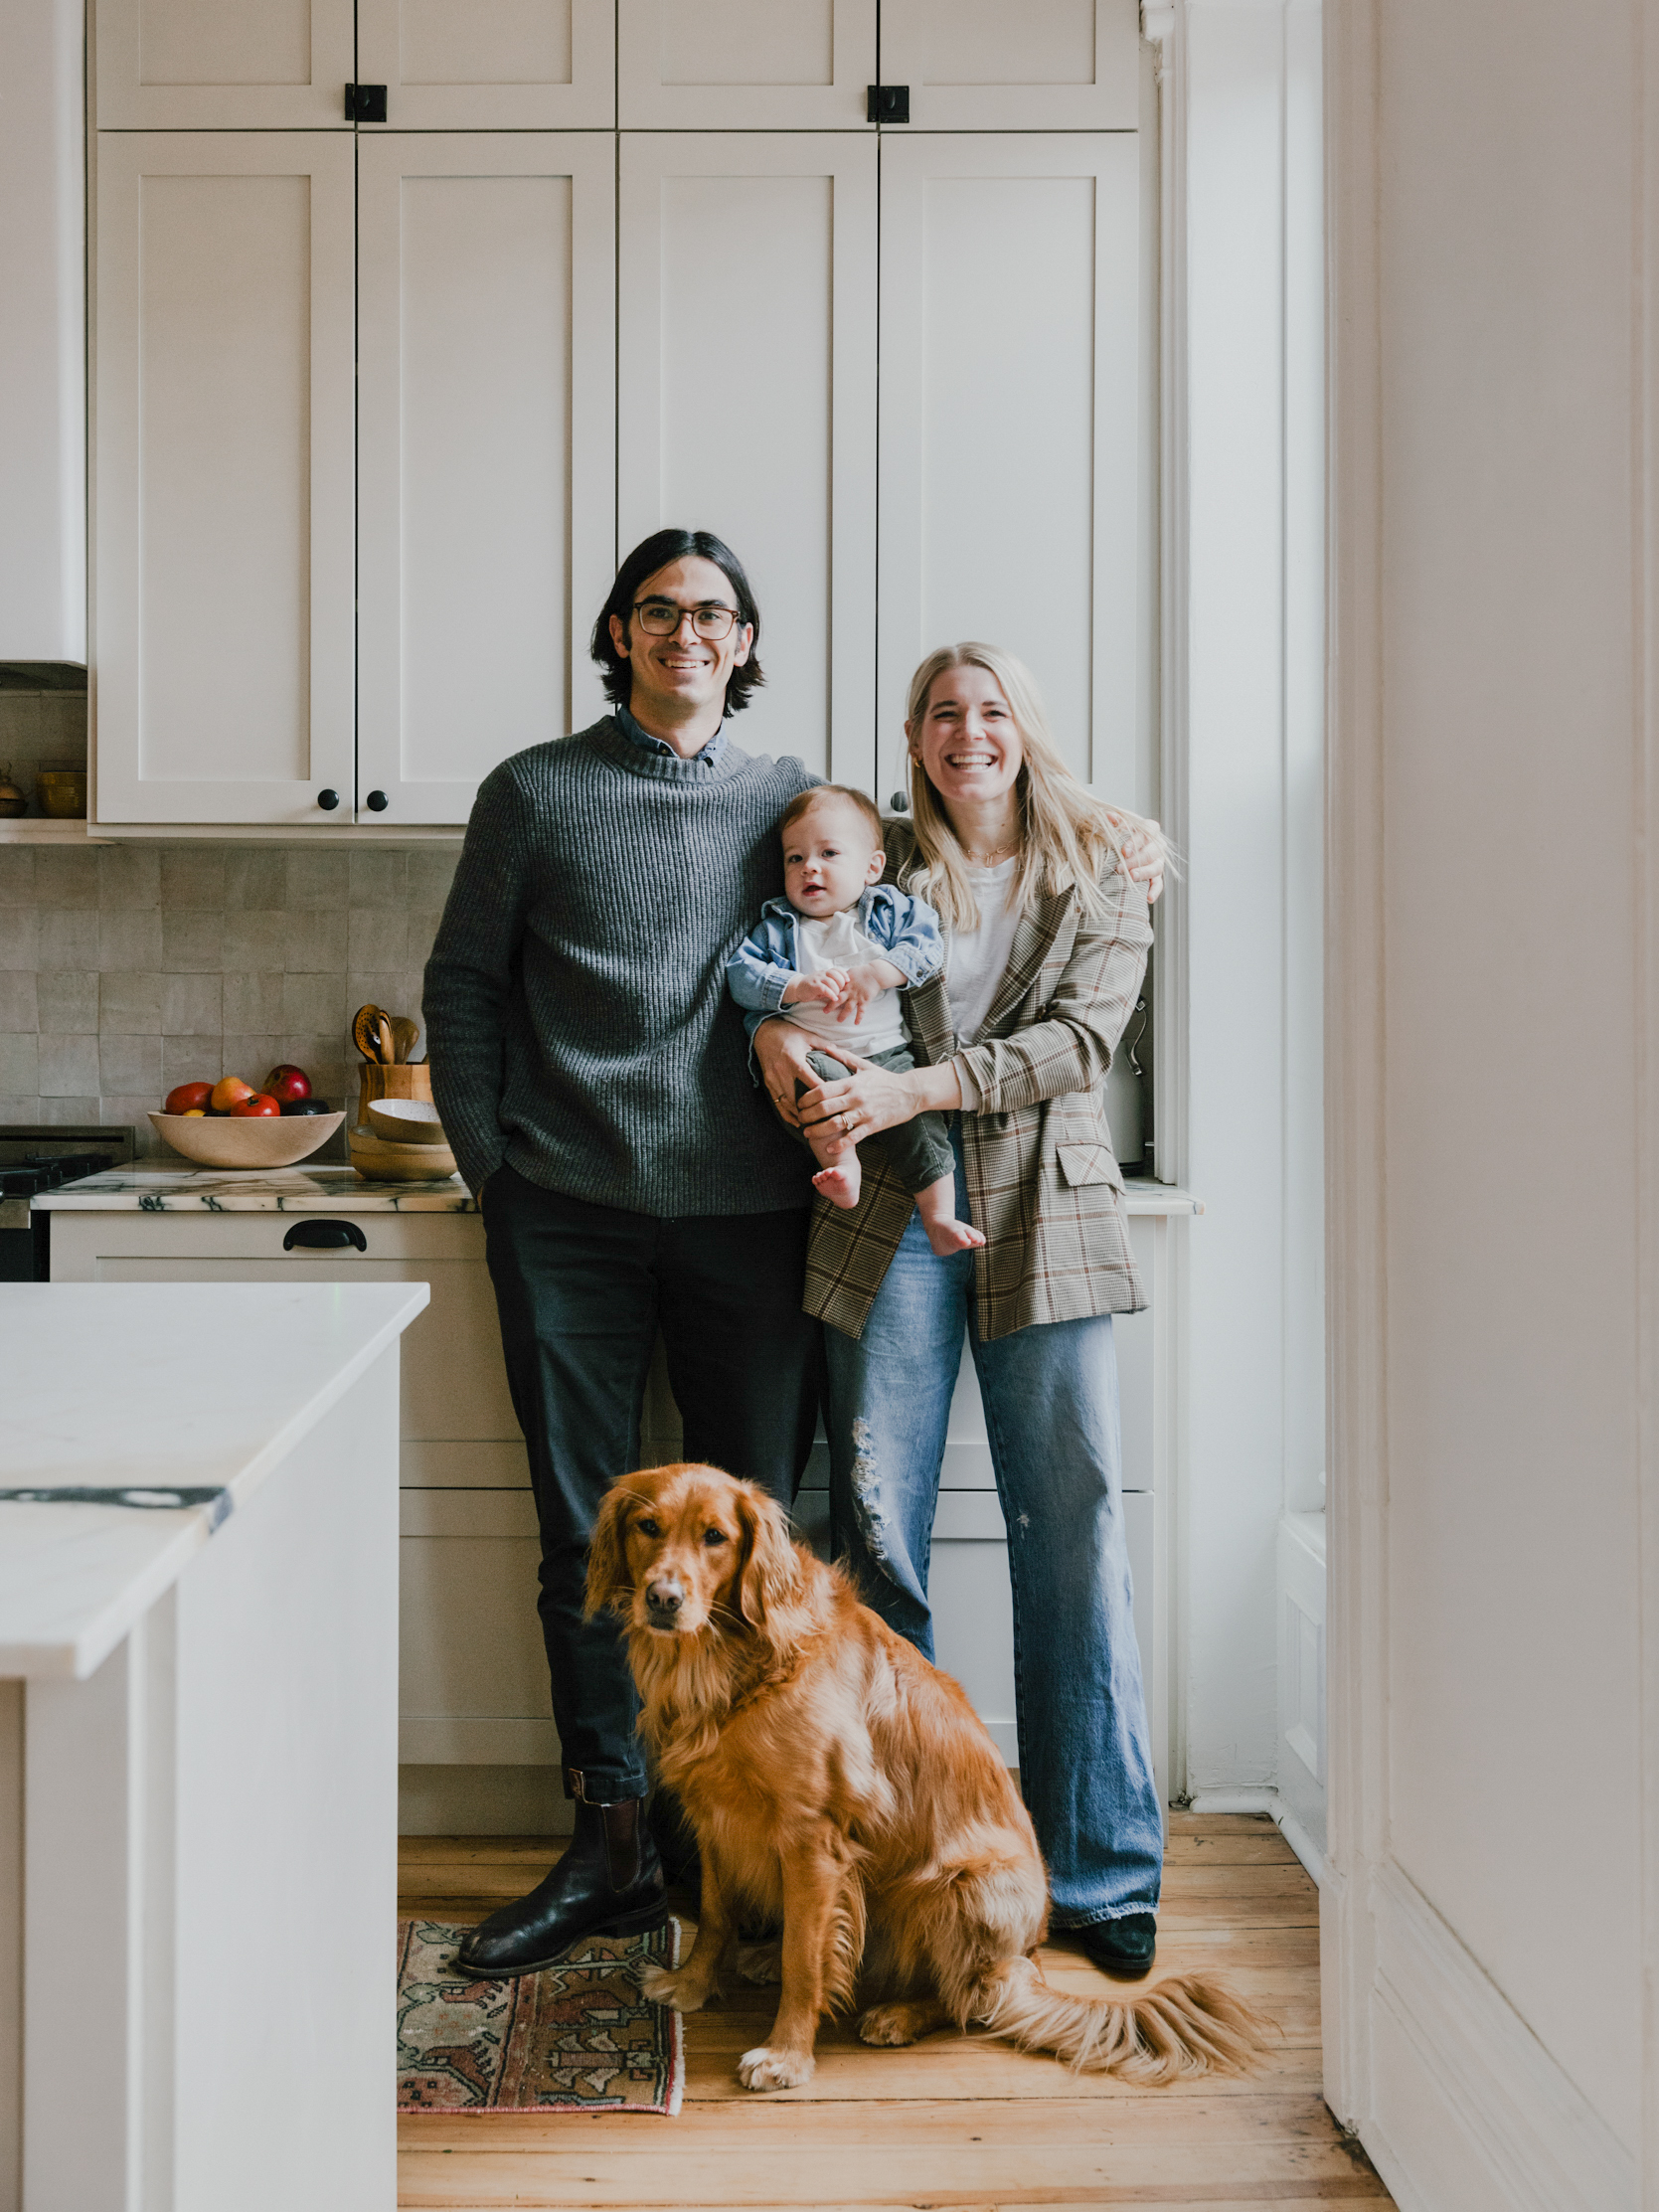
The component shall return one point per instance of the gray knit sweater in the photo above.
(578, 1018)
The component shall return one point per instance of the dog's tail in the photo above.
(1189, 2024)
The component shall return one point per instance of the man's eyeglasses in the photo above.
(661, 618)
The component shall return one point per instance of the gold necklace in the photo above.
(990, 859)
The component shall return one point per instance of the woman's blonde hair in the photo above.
(1068, 832)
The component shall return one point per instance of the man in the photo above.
(591, 1073)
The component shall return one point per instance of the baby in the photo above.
(832, 956)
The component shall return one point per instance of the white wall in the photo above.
(1244, 795)
(1490, 1140)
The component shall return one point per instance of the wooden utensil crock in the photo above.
(405, 1078)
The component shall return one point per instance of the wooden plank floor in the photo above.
(954, 2120)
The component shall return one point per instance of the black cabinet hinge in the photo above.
(887, 104)
(364, 103)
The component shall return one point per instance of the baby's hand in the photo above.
(866, 983)
(827, 988)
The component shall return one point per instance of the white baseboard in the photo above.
(1467, 2106)
(1271, 1802)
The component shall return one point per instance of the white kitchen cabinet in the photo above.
(490, 65)
(736, 65)
(486, 459)
(1011, 430)
(222, 64)
(223, 630)
(981, 64)
(747, 403)
(43, 335)
(473, 1677)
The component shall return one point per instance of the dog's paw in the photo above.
(889, 2024)
(661, 1986)
(760, 1962)
(767, 2069)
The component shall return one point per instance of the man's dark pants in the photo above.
(582, 1292)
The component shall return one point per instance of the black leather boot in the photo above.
(609, 1883)
(1123, 1948)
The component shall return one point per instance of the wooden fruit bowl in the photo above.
(248, 1140)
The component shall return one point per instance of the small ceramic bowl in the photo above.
(251, 1141)
(407, 1121)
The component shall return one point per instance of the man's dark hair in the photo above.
(655, 553)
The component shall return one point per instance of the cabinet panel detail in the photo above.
(486, 471)
(1010, 419)
(980, 64)
(749, 409)
(735, 65)
(224, 65)
(225, 512)
(453, 1384)
(490, 65)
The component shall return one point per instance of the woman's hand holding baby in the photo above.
(782, 1049)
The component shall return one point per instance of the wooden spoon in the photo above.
(405, 1035)
(384, 1050)
(364, 1031)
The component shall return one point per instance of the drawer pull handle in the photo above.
(325, 1236)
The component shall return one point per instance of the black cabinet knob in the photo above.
(900, 802)
(328, 800)
(377, 803)
(364, 103)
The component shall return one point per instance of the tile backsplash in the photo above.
(125, 969)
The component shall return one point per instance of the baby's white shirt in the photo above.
(837, 941)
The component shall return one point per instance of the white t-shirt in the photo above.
(976, 960)
(837, 941)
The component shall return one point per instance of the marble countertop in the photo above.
(153, 1389)
(340, 1190)
(247, 1190)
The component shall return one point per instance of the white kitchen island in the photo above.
(198, 1746)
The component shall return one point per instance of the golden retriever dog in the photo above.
(839, 1782)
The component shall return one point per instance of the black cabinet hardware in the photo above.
(377, 803)
(887, 104)
(328, 800)
(325, 1236)
(364, 103)
(900, 802)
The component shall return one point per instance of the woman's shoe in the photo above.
(1125, 1948)
(609, 1883)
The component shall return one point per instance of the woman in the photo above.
(1047, 937)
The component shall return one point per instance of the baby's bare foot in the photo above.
(950, 1235)
(840, 1186)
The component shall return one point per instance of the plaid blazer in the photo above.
(1043, 1182)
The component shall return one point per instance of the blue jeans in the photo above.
(1051, 1411)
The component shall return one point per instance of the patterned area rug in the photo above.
(578, 2038)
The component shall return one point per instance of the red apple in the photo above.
(257, 1106)
(287, 1082)
(187, 1098)
(228, 1091)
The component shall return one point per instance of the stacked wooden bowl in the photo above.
(403, 1141)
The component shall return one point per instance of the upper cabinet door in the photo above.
(223, 64)
(1043, 65)
(490, 65)
(745, 64)
(487, 455)
(1014, 501)
(748, 406)
(224, 631)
